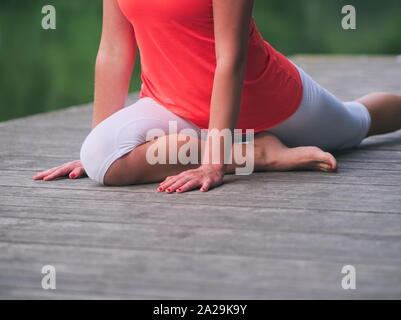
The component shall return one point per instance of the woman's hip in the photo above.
(323, 120)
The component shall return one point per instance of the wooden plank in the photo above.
(200, 240)
(365, 198)
(270, 198)
(210, 216)
(264, 186)
(119, 272)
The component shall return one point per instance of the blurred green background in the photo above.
(42, 70)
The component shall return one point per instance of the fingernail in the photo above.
(160, 189)
(168, 190)
(203, 189)
(72, 175)
(179, 190)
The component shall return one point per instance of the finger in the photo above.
(77, 172)
(58, 173)
(179, 183)
(190, 185)
(170, 182)
(206, 185)
(42, 174)
(171, 179)
(180, 174)
(167, 178)
(165, 184)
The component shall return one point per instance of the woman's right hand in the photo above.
(73, 169)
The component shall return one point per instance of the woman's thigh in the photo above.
(324, 121)
(124, 131)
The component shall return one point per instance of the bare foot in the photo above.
(278, 157)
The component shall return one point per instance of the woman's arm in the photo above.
(231, 27)
(114, 62)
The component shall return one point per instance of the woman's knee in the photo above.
(93, 154)
(100, 149)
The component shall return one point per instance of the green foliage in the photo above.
(42, 70)
(314, 26)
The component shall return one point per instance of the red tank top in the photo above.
(177, 50)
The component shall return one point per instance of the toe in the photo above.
(322, 160)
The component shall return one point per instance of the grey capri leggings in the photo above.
(321, 120)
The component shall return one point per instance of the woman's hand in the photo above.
(206, 177)
(73, 169)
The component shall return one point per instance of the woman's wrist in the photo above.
(212, 166)
(217, 151)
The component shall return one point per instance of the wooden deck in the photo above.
(269, 235)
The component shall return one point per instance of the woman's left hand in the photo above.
(205, 177)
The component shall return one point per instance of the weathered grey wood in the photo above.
(269, 235)
(319, 199)
(152, 272)
(209, 216)
(307, 195)
(200, 240)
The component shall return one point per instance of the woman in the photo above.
(206, 66)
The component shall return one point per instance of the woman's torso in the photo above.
(176, 44)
